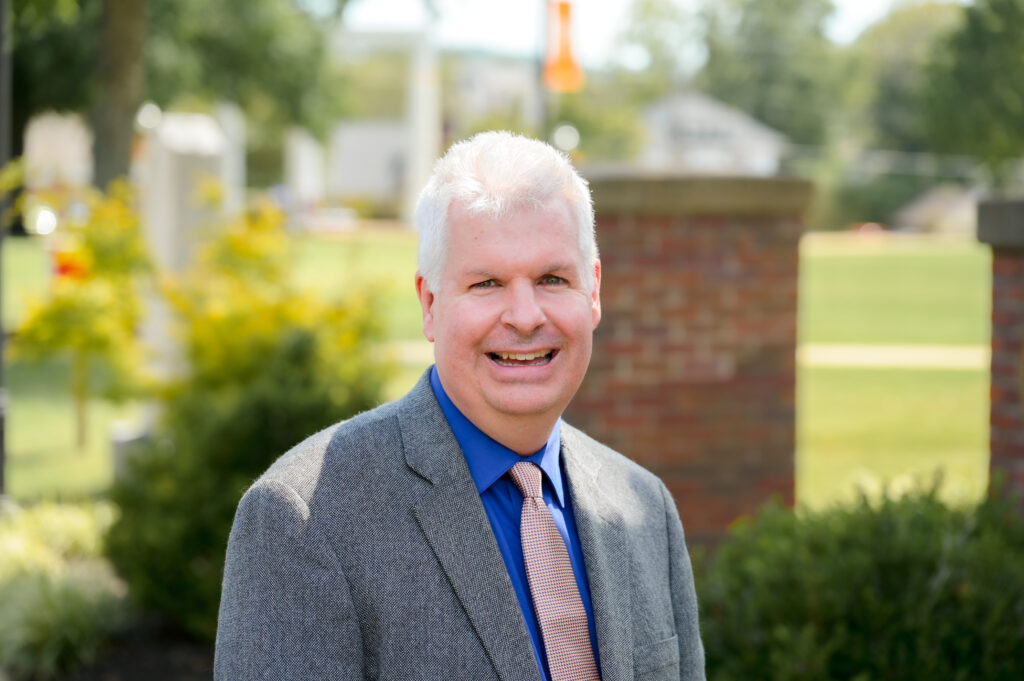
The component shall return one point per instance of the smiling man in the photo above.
(465, 531)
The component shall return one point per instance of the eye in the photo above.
(490, 283)
(552, 280)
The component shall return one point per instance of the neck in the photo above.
(523, 435)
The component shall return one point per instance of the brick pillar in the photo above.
(694, 368)
(1001, 225)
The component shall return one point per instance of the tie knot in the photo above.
(527, 477)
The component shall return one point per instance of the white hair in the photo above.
(493, 174)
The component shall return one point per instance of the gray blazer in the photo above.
(365, 553)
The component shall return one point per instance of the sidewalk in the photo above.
(975, 357)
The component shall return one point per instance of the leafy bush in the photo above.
(93, 306)
(264, 368)
(902, 589)
(58, 599)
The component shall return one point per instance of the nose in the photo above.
(523, 312)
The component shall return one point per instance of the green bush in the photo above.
(265, 368)
(899, 589)
(59, 600)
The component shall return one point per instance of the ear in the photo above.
(596, 295)
(426, 297)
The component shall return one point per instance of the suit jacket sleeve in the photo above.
(286, 610)
(684, 597)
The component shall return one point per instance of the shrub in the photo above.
(58, 599)
(264, 368)
(900, 589)
(93, 306)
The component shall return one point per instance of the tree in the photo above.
(53, 57)
(773, 61)
(94, 305)
(974, 101)
(887, 74)
(122, 32)
(656, 52)
(105, 56)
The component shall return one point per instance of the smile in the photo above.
(521, 359)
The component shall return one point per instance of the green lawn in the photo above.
(384, 260)
(43, 459)
(896, 292)
(26, 274)
(856, 427)
(865, 428)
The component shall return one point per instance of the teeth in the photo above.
(521, 356)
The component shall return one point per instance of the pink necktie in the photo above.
(563, 620)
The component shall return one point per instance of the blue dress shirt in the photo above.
(489, 462)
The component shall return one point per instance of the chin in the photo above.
(528, 404)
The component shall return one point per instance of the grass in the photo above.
(903, 291)
(384, 260)
(856, 427)
(26, 274)
(861, 429)
(44, 462)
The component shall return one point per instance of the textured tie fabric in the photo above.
(556, 598)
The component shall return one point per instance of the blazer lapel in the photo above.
(455, 524)
(602, 532)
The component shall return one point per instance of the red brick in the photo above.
(694, 361)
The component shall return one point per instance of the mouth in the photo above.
(522, 359)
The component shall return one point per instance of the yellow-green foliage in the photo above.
(234, 306)
(12, 176)
(93, 306)
(58, 598)
(265, 366)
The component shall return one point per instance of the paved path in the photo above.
(816, 355)
(895, 356)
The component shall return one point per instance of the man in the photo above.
(464, 531)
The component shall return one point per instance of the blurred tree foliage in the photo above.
(974, 101)
(94, 305)
(609, 123)
(885, 74)
(655, 54)
(773, 61)
(265, 366)
(374, 85)
(266, 55)
(53, 59)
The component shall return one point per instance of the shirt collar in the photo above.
(487, 458)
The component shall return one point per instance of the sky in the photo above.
(514, 26)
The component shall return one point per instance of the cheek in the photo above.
(460, 325)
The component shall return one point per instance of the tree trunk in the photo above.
(80, 395)
(122, 33)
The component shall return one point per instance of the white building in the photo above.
(367, 159)
(696, 133)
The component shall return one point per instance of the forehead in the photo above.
(547, 230)
(552, 219)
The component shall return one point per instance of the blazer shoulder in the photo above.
(609, 460)
(302, 466)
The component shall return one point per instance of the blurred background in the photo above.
(207, 255)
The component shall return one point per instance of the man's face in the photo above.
(512, 319)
